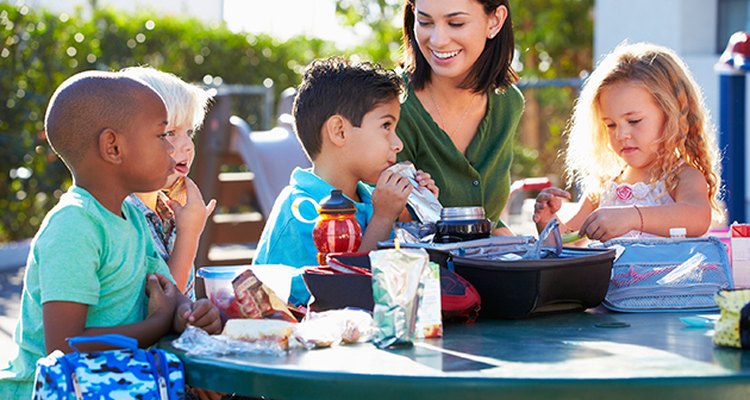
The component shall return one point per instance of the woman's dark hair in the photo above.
(492, 70)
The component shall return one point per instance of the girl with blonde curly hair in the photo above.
(642, 148)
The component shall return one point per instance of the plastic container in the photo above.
(218, 284)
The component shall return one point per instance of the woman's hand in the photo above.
(548, 203)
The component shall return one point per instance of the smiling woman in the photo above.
(462, 107)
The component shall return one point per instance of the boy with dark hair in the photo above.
(91, 257)
(345, 117)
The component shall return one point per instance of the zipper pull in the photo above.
(76, 386)
(163, 392)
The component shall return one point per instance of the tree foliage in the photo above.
(38, 50)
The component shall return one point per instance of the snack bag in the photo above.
(429, 319)
(425, 205)
(256, 300)
(396, 275)
(733, 327)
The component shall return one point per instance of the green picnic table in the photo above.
(588, 355)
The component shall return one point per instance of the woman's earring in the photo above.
(491, 36)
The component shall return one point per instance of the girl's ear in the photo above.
(497, 20)
(335, 129)
(109, 146)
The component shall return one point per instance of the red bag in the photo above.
(459, 299)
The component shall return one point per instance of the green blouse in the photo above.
(482, 175)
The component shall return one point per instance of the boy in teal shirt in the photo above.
(345, 117)
(92, 268)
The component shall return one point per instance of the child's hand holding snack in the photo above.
(390, 195)
(191, 211)
(425, 180)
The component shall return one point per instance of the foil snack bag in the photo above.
(422, 201)
(396, 277)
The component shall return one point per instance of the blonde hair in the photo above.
(186, 103)
(688, 138)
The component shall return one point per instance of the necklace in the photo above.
(440, 114)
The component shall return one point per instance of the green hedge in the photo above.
(38, 50)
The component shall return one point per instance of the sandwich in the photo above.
(261, 331)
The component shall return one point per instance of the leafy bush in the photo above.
(40, 49)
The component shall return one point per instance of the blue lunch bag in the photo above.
(125, 373)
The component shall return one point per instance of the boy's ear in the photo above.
(335, 129)
(109, 146)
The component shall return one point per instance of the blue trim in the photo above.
(732, 143)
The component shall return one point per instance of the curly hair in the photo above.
(688, 138)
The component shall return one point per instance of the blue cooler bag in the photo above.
(667, 274)
(126, 373)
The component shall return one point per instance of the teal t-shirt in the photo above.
(481, 176)
(82, 253)
(287, 240)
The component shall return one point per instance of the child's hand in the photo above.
(201, 314)
(608, 223)
(192, 216)
(425, 180)
(548, 203)
(390, 194)
(162, 296)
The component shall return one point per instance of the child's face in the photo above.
(184, 150)
(373, 145)
(634, 122)
(147, 152)
(451, 34)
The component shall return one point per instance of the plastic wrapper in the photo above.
(414, 232)
(396, 275)
(422, 200)
(329, 328)
(689, 271)
(197, 342)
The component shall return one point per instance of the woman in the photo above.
(461, 108)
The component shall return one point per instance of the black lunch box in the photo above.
(577, 279)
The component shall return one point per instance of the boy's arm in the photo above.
(388, 201)
(65, 319)
(190, 219)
